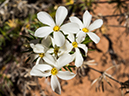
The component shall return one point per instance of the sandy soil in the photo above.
(82, 86)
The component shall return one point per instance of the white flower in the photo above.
(77, 55)
(58, 51)
(56, 26)
(41, 50)
(53, 69)
(86, 28)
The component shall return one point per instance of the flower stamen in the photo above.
(56, 50)
(74, 44)
(56, 28)
(54, 71)
(85, 30)
(41, 55)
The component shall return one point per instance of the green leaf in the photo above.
(65, 68)
(91, 49)
(71, 66)
(30, 31)
(86, 42)
(70, 69)
(71, 52)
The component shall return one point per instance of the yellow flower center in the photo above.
(41, 55)
(74, 44)
(56, 50)
(56, 28)
(54, 71)
(85, 30)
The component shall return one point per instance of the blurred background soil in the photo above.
(111, 50)
(81, 86)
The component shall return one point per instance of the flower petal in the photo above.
(45, 18)
(86, 19)
(83, 46)
(65, 75)
(73, 56)
(32, 45)
(64, 60)
(70, 28)
(49, 59)
(67, 47)
(41, 70)
(76, 20)
(51, 50)
(93, 37)
(43, 67)
(78, 59)
(71, 37)
(35, 41)
(55, 85)
(61, 14)
(38, 48)
(33, 57)
(53, 42)
(80, 36)
(96, 24)
(37, 61)
(46, 42)
(43, 31)
(59, 39)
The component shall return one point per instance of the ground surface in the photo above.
(120, 41)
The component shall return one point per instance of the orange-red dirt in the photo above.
(120, 40)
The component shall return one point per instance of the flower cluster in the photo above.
(58, 40)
